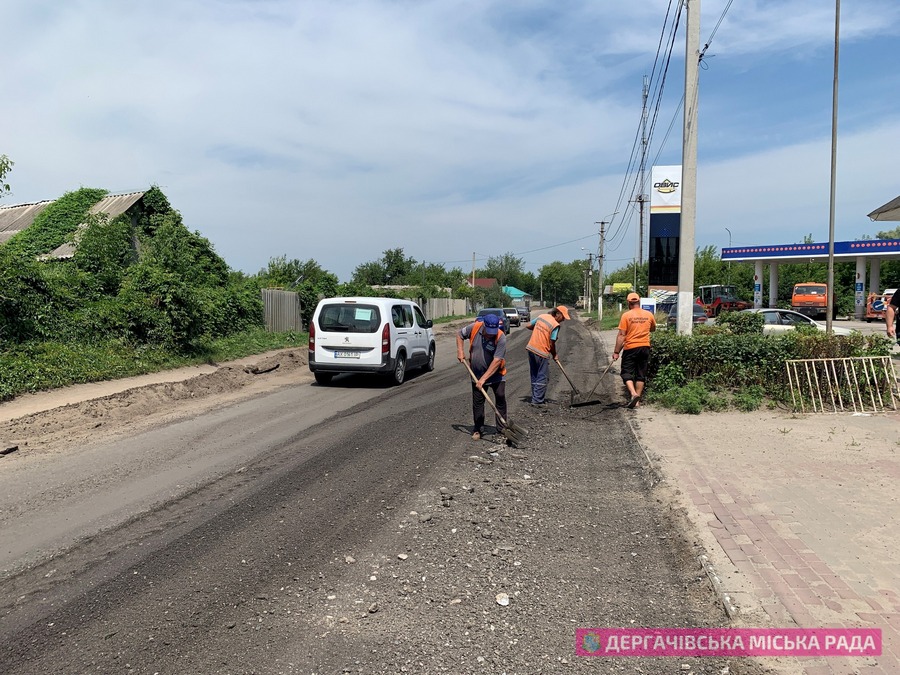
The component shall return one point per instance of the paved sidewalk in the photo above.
(799, 513)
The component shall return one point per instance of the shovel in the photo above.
(588, 400)
(575, 395)
(513, 432)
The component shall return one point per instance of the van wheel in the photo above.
(399, 370)
(429, 365)
(324, 378)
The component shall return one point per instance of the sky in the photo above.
(452, 129)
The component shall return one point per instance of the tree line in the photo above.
(155, 282)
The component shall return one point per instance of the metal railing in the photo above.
(861, 384)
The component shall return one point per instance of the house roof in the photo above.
(515, 293)
(14, 219)
(112, 205)
(487, 282)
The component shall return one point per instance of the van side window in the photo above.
(407, 316)
(397, 316)
(420, 318)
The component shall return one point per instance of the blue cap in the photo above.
(491, 324)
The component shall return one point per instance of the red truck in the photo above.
(720, 298)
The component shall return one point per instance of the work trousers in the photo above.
(499, 389)
(540, 377)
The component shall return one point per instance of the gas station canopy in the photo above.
(890, 211)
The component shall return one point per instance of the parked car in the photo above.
(524, 314)
(504, 321)
(783, 320)
(512, 315)
(699, 316)
(369, 335)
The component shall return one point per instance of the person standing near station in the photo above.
(487, 355)
(541, 348)
(891, 314)
(633, 342)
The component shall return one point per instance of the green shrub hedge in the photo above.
(741, 369)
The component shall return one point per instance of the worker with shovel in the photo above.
(633, 342)
(541, 348)
(487, 353)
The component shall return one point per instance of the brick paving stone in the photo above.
(812, 532)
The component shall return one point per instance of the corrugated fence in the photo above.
(281, 310)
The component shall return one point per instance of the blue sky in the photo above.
(337, 130)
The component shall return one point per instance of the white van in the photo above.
(369, 335)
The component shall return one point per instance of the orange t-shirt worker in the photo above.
(633, 342)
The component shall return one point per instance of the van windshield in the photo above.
(342, 318)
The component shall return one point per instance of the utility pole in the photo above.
(829, 311)
(642, 197)
(473, 281)
(689, 169)
(602, 224)
(590, 280)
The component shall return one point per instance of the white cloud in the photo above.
(337, 130)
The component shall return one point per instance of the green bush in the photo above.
(749, 364)
(741, 323)
(106, 250)
(748, 399)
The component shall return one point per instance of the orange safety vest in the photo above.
(540, 340)
(477, 326)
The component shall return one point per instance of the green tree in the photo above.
(307, 279)
(562, 283)
(394, 268)
(105, 249)
(398, 269)
(6, 165)
(507, 269)
(186, 254)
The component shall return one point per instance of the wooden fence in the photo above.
(436, 308)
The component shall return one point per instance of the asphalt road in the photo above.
(352, 528)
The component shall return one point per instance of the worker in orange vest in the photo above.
(487, 356)
(541, 348)
(633, 342)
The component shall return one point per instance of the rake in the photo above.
(576, 398)
(588, 400)
(513, 432)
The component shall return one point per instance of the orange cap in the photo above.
(633, 297)
(562, 309)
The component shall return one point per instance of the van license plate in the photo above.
(346, 355)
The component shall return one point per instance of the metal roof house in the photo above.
(517, 295)
(15, 219)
